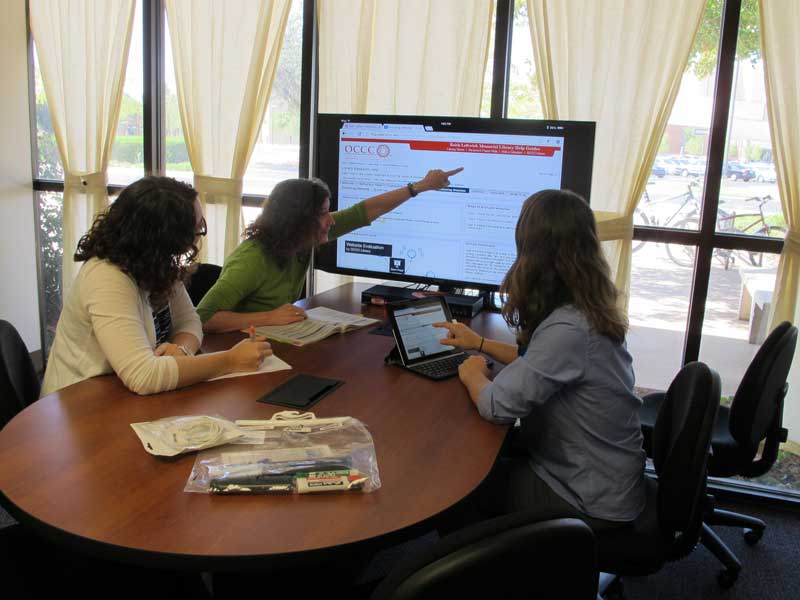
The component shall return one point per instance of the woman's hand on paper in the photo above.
(247, 355)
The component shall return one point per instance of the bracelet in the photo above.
(411, 190)
(184, 349)
(480, 348)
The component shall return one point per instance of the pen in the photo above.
(252, 333)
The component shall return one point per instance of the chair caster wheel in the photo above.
(752, 536)
(727, 578)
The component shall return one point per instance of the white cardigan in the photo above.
(106, 326)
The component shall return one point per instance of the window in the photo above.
(742, 279)
(51, 252)
(661, 276)
(176, 154)
(658, 311)
(276, 155)
(127, 154)
(524, 100)
(125, 165)
(48, 160)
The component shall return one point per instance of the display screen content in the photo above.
(463, 233)
(420, 337)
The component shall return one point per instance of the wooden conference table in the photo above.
(72, 467)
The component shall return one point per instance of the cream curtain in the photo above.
(414, 57)
(619, 63)
(780, 22)
(82, 46)
(225, 54)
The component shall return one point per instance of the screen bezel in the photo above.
(398, 339)
(577, 174)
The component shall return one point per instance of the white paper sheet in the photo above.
(268, 365)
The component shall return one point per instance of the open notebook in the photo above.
(321, 323)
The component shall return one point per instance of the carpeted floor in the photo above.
(770, 570)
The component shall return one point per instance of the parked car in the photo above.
(735, 170)
(764, 172)
(678, 165)
(658, 170)
(693, 166)
(672, 164)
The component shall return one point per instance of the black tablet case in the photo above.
(301, 391)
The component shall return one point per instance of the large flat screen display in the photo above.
(459, 236)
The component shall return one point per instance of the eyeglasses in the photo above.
(203, 227)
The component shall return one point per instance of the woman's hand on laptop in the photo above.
(474, 369)
(459, 336)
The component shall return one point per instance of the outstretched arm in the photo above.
(461, 336)
(383, 203)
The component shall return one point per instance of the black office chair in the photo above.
(755, 415)
(19, 383)
(506, 557)
(669, 527)
(201, 281)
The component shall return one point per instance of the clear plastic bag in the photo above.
(300, 454)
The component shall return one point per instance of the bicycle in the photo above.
(683, 256)
(730, 222)
(640, 217)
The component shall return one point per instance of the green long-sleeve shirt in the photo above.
(252, 281)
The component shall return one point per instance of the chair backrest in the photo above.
(202, 279)
(681, 448)
(507, 557)
(757, 399)
(19, 383)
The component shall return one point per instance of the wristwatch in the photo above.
(184, 349)
(411, 190)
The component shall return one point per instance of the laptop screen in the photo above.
(412, 324)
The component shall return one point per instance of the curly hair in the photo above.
(149, 233)
(560, 261)
(289, 220)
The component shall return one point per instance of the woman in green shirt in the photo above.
(265, 274)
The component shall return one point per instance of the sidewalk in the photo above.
(657, 357)
(658, 313)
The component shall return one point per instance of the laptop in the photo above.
(418, 341)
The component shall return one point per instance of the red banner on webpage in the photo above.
(474, 147)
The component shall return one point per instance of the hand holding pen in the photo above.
(248, 354)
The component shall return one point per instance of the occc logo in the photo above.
(381, 150)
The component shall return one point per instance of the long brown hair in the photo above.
(559, 261)
(149, 233)
(289, 222)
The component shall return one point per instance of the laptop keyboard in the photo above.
(440, 369)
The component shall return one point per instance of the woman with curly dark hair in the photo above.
(569, 379)
(128, 311)
(266, 272)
